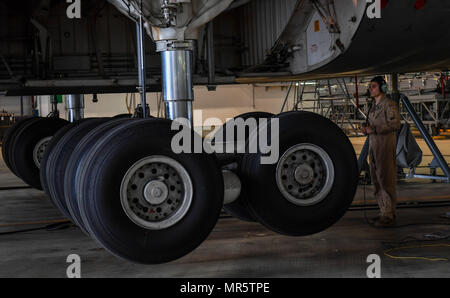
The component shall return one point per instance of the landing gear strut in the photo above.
(75, 107)
(177, 86)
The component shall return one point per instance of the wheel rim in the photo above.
(156, 192)
(39, 150)
(305, 174)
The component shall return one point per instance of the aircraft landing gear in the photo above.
(57, 157)
(8, 137)
(239, 208)
(27, 146)
(313, 183)
(26, 142)
(143, 202)
(83, 137)
(125, 186)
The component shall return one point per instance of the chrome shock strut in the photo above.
(75, 107)
(177, 85)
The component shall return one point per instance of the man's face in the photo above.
(374, 89)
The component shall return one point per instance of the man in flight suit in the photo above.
(383, 124)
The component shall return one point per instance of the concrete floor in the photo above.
(234, 249)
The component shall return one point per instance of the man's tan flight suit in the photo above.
(384, 118)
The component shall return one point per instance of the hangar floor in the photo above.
(239, 249)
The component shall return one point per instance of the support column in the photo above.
(211, 59)
(141, 65)
(177, 85)
(54, 103)
(426, 136)
(394, 87)
(75, 107)
(21, 106)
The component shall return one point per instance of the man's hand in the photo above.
(368, 130)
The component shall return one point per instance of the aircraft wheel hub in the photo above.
(156, 192)
(305, 174)
(39, 150)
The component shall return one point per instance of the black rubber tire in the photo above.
(21, 154)
(98, 185)
(9, 136)
(44, 168)
(10, 147)
(229, 158)
(85, 139)
(54, 141)
(267, 203)
(123, 116)
(239, 208)
(57, 156)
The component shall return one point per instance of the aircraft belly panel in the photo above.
(318, 41)
(403, 40)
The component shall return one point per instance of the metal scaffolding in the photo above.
(344, 101)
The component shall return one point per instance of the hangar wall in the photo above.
(12, 105)
(228, 101)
